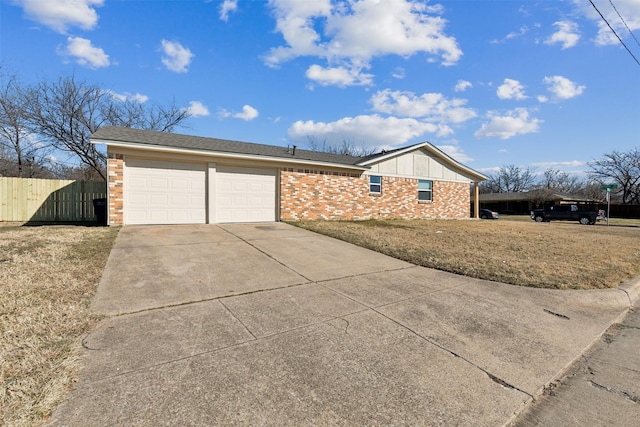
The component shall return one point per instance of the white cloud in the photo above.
(197, 109)
(563, 88)
(512, 35)
(355, 32)
(455, 152)
(490, 170)
(139, 98)
(511, 89)
(248, 113)
(462, 85)
(430, 106)
(515, 34)
(629, 9)
(227, 7)
(339, 76)
(176, 57)
(59, 15)
(122, 97)
(559, 165)
(295, 21)
(515, 122)
(398, 73)
(366, 131)
(85, 53)
(567, 34)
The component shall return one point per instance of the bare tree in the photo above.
(133, 114)
(22, 155)
(67, 112)
(79, 173)
(509, 179)
(622, 169)
(591, 190)
(560, 182)
(346, 148)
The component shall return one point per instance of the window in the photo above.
(375, 184)
(425, 191)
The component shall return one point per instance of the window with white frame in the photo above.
(375, 184)
(425, 190)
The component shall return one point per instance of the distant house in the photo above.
(164, 178)
(523, 202)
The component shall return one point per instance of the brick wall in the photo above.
(330, 196)
(115, 170)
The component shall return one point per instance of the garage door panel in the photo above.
(158, 183)
(158, 200)
(180, 185)
(164, 192)
(245, 195)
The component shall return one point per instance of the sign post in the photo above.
(609, 187)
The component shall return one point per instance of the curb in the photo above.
(632, 288)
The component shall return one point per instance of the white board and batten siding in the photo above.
(158, 192)
(418, 164)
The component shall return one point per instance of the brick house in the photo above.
(165, 178)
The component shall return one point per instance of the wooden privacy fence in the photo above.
(49, 200)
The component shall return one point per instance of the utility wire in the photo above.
(614, 32)
(624, 22)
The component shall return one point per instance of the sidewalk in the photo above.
(602, 389)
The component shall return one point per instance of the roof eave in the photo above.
(226, 155)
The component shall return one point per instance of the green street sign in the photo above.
(609, 187)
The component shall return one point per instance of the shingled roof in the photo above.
(112, 134)
(121, 136)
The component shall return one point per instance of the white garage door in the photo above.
(164, 192)
(245, 194)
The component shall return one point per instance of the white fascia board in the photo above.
(429, 147)
(226, 155)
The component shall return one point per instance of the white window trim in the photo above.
(430, 199)
(378, 184)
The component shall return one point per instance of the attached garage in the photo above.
(245, 194)
(159, 192)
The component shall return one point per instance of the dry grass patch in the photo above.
(548, 255)
(48, 277)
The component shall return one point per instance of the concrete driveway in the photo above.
(268, 324)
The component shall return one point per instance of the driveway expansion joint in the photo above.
(238, 319)
(320, 282)
(266, 254)
(221, 297)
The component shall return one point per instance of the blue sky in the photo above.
(542, 84)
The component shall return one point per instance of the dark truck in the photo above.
(567, 213)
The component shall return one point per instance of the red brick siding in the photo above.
(326, 196)
(115, 170)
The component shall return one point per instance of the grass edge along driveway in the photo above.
(48, 278)
(556, 255)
